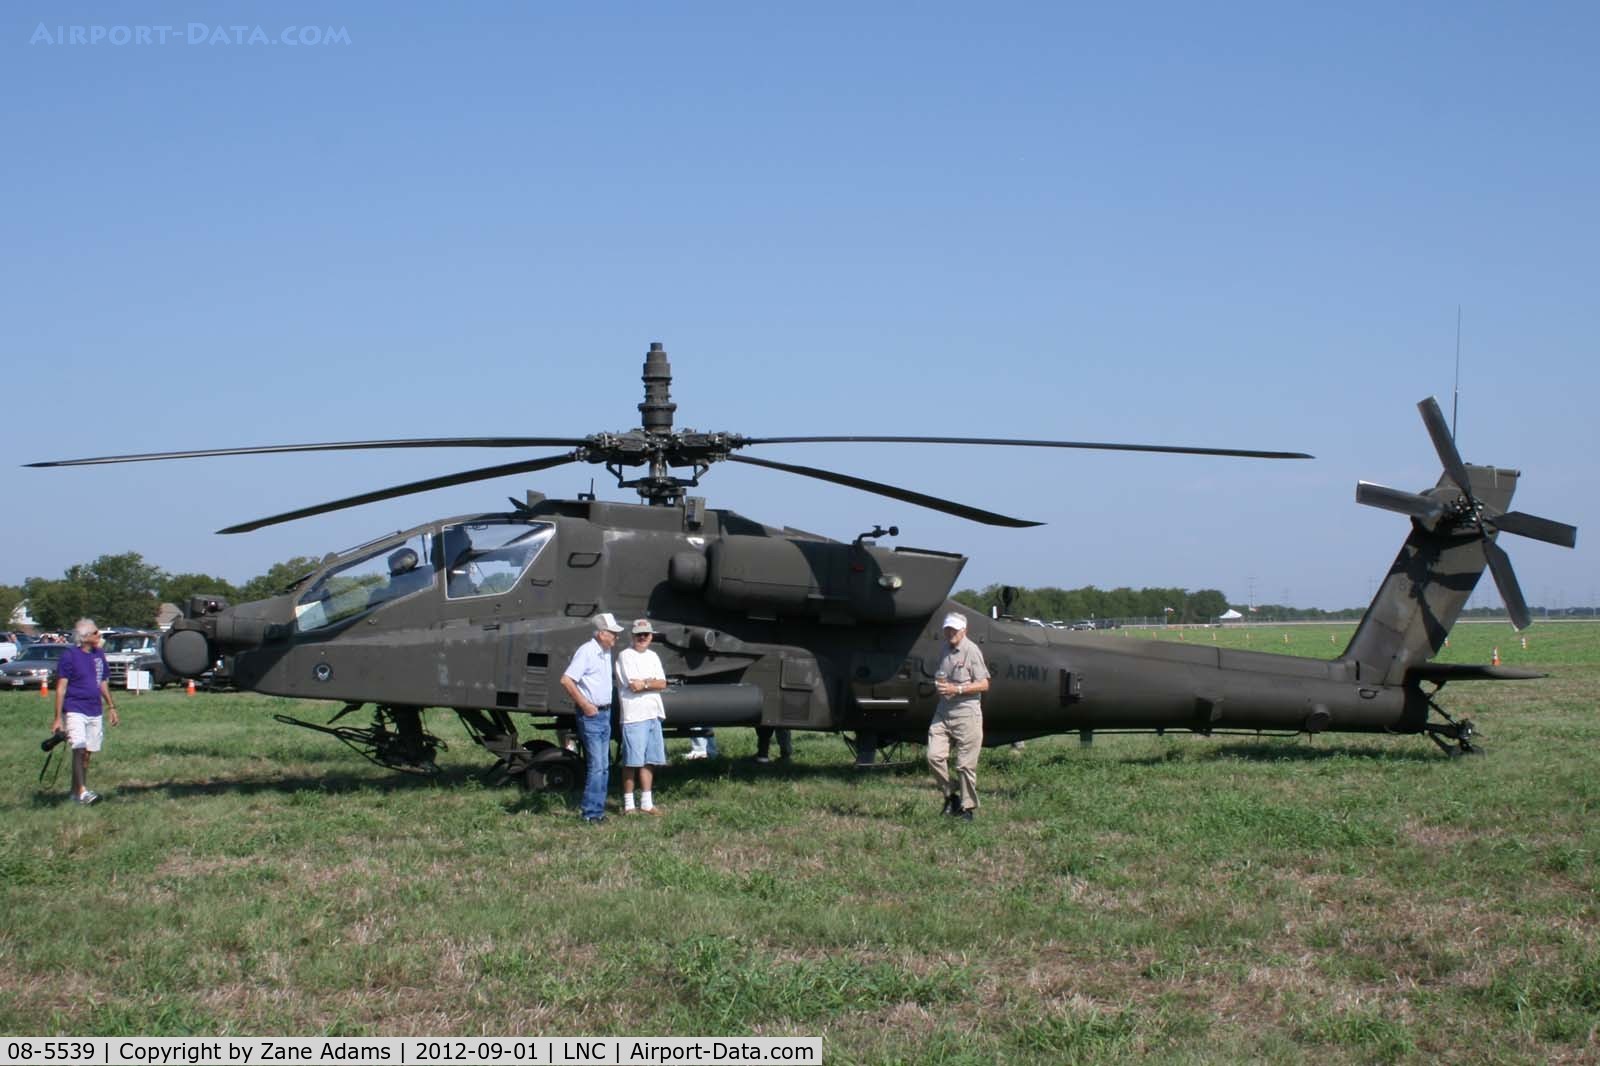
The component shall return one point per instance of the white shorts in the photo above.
(85, 730)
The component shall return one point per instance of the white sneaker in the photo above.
(87, 797)
(695, 755)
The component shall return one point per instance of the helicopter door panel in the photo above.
(885, 681)
(472, 664)
(801, 695)
(582, 570)
(536, 680)
(507, 675)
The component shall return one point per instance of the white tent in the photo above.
(1230, 615)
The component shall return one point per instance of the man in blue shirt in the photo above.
(81, 686)
(588, 681)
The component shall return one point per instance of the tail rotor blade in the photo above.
(1444, 444)
(1527, 525)
(1409, 503)
(1505, 579)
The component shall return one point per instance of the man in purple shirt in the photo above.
(81, 686)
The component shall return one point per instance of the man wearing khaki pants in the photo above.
(960, 678)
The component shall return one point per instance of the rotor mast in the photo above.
(658, 488)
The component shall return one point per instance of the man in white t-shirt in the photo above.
(640, 681)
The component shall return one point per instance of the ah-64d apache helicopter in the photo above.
(765, 626)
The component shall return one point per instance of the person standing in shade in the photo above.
(79, 693)
(764, 735)
(703, 745)
(588, 681)
(640, 681)
(960, 678)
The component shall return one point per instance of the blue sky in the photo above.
(1245, 226)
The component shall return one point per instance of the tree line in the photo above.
(1075, 605)
(125, 590)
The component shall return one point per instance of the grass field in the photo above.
(1343, 899)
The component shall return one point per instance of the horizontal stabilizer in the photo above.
(1442, 672)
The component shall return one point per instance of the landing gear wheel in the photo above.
(554, 769)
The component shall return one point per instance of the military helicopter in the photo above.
(760, 625)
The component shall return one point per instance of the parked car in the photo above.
(36, 664)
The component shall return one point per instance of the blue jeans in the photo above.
(596, 736)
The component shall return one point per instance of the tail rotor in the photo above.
(1454, 508)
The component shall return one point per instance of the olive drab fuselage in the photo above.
(757, 626)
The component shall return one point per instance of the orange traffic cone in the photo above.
(189, 691)
(1495, 659)
(44, 690)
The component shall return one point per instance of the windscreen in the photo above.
(489, 558)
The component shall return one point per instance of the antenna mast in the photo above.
(1455, 396)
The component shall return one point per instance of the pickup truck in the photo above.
(124, 647)
(12, 644)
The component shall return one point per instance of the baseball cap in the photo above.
(642, 625)
(954, 620)
(606, 621)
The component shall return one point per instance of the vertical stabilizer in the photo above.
(1427, 587)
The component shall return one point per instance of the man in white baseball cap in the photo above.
(588, 681)
(960, 678)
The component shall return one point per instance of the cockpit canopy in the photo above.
(483, 557)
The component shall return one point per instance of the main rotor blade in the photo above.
(1410, 503)
(1527, 525)
(443, 481)
(336, 446)
(1173, 449)
(960, 510)
(1445, 444)
(1505, 579)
